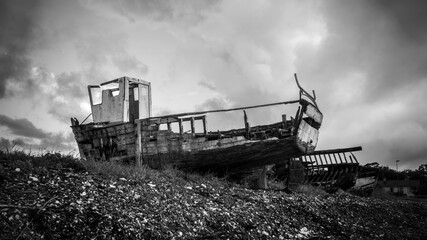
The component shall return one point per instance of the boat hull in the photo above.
(228, 151)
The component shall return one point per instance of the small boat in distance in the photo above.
(123, 129)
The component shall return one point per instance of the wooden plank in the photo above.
(314, 113)
(242, 156)
(165, 120)
(149, 99)
(125, 100)
(138, 81)
(141, 107)
(192, 125)
(338, 150)
(138, 151)
(339, 156)
(112, 81)
(193, 118)
(247, 125)
(205, 127)
(228, 110)
(181, 128)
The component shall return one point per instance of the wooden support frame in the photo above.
(125, 100)
(138, 145)
(192, 125)
(205, 126)
(181, 128)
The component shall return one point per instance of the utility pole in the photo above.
(397, 167)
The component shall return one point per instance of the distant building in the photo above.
(399, 187)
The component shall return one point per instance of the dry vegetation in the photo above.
(51, 196)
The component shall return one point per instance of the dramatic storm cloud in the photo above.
(16, 38)
(366, 60)
(21, 127)
(371, 66)
(31, 137)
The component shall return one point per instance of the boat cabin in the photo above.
(121, 100)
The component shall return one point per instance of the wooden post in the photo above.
(125, 99)
(205, 127)
(192, 125)
(89, 89)
(138, 145)
(143, 112)
(181, 129)
(262, 179)
(149, 99)
(169, 126)
(247, 126)
(284, 121)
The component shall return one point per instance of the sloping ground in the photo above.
(63, 201)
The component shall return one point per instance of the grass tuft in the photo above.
(115, 170)
(43, 161)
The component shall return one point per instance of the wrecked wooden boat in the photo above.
(331, 169)
(123, 129)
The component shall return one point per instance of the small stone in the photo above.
(34, 179)
(304, 231)
(17, 169)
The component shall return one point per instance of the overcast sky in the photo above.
(366, 60)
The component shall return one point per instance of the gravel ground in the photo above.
(70, 203)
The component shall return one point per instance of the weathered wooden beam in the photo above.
(166, 120)
(247, 126)
(228, 110)
(108, 82)
(338, 150)
(239, 157)
(149, 100)
(181, 128)
(125, 100)
(193, 118)
(141, 107)
(205, 126)
(336, 165)
(192, 125)
(138, 145)
(138, 81)
(330, 159)
(262, 179)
